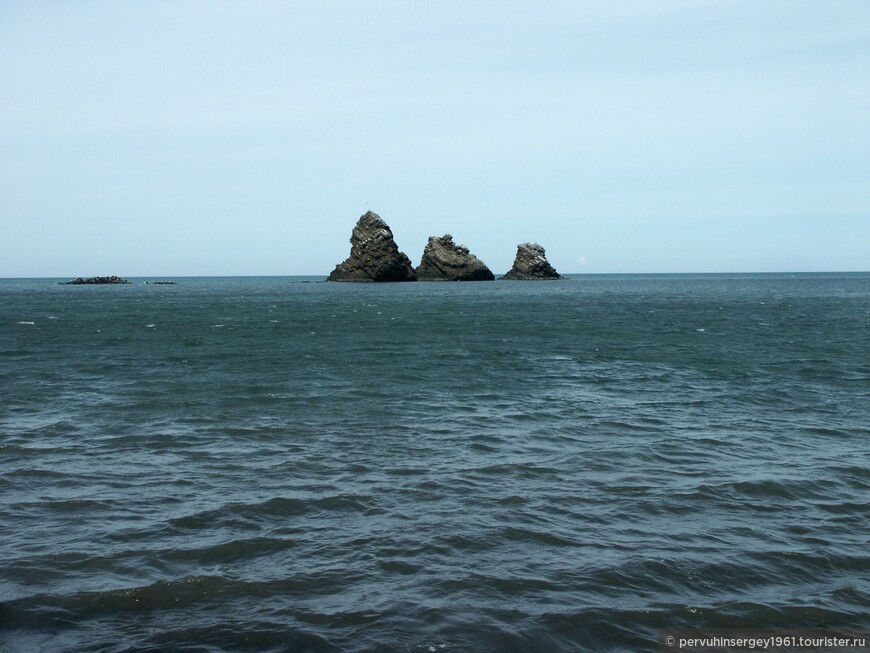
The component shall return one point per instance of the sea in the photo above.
(280, 464)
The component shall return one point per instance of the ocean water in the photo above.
(265, 464)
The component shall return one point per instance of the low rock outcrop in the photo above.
(374, 255)
(95, 281)
(444, 260)
(531, 264)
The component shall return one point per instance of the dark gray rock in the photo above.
(444, 260)
(531, 264)
(96, 281)
(374, 255)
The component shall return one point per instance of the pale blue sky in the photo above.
(222, 138)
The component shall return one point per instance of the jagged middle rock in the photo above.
(444, 260)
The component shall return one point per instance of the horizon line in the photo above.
(325, 275)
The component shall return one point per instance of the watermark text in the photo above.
(726, 640)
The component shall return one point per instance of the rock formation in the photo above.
(95, 281)
(444, 260)
(374, 255)
(531, 263)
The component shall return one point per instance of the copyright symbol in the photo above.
(669, 640)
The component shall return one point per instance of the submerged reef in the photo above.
(78, 281)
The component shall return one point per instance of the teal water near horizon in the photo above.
(275, 464)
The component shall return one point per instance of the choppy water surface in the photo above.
(269, 465)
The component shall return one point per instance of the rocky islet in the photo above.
(96, 281)
(531, 264)
(445, 260)
(374, 256)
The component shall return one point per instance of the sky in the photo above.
(194, 137)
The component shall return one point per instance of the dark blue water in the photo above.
(269, 465)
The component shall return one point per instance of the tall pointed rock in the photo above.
(374, 255)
